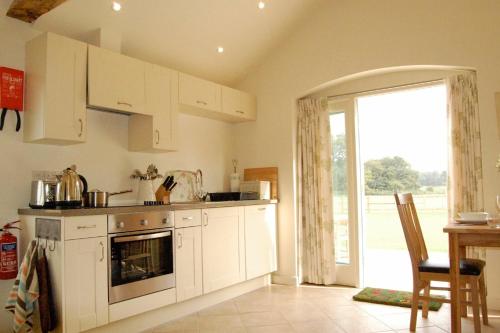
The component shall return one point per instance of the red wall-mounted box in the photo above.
(11, 89)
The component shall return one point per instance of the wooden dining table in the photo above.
(460, 236)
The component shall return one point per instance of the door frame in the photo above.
(350, 274)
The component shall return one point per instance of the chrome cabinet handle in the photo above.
(81, 127)
(86, 226)
(262, 208)
(179, 242)
(124, 103)
(102, 251)
(157, 137)
(187, 218)
(206, 219)
(239, 111)
(201, 102)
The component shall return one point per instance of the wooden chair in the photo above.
(426, 270)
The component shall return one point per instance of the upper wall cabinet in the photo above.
(207, 99)
(199, 94)
(158, 132)
(115, 82)
(55, 90)
(238, 105)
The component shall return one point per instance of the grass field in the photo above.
(383, 230)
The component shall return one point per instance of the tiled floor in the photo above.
(312, 310)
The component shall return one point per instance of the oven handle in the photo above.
(141, 237)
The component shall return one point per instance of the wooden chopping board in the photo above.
(270, 174)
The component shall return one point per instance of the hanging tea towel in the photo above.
(24, 293)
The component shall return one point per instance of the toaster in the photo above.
(255, 190)
(43, 194)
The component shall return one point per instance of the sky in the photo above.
(407, 123)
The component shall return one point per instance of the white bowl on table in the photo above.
(473, 216)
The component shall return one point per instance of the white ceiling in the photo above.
(184, 34)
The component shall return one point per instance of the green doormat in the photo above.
(392, 297)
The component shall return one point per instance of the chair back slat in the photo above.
(411, 229)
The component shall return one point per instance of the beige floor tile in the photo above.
(429, 329)
(299, 315)
(255, 306)
(179, 325)
(263, 318)
(401, 321)
(362, 325)
(323, 326)
(226, 308)
(345, 312)
(380, 309)
(219, 322)
(223, 330)
(270, 329)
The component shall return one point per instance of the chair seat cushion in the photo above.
(467, 266)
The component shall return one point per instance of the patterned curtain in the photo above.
(314, 169)
(465, 184)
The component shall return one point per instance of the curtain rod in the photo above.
(386, 88)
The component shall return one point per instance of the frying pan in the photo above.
(99, 199)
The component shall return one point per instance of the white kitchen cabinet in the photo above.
(238, 105)
(260, 240)
(56, 84)
(223, 242)
(85, 284)
(157, 132)
(188, 263)
(199, 96)
(115, 81)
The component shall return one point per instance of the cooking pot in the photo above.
(99, 199)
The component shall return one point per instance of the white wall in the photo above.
(346, 37)
(103, 159)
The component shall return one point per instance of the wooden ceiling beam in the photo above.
(30, 10)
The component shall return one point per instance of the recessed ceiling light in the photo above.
(117, 6)
(220, 49)
(261, 4)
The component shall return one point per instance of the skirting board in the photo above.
(288, 280)
(151, 319)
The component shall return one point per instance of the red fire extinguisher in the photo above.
(8, 252)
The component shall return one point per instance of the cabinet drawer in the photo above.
(187, 218)
(77, 227)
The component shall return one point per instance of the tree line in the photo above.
(385, 175)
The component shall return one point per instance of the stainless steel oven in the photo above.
(141, 254)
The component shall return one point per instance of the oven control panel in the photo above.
(140, 221)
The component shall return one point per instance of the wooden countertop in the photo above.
(135, 209)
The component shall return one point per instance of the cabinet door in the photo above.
(158, 132)
(162, 101)
(223, 247)
(85, 284)
(260, 240)
(238, 104)
(188, 264)
(116, 82)
(56, 87)
(199, 93)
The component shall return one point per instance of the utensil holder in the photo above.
(145, 191)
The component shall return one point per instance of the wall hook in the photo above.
(51, 249)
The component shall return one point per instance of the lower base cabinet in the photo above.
(223, 240)
(86, 284)
(188, 263)
(260, 240)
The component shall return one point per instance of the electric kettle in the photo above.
(70, 188)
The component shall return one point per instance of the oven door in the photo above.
(140, 263)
